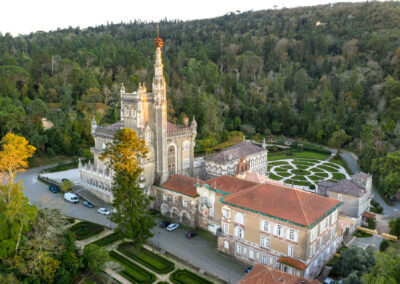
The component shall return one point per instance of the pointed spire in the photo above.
(79, 163)
(158, 42)
(93, 125)
(263, 144)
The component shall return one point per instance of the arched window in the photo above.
(265, 226)
(185, 203)
(278, 230)
(171, 160)
(291, 235)
(239, 218)
(226, 244)
(239, 232)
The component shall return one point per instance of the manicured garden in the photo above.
(132, 271)
(107, 240)
(305, 172)
(84, 230)
(184, 276)
(147, 258)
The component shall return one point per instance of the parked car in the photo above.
(104, 211)
(164, 224)
(53, 189)
(248, 269)
(88, 204)
(191, 234)
(71, 197)
(172, 227)
(329, 281)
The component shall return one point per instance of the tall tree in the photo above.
(123, 156)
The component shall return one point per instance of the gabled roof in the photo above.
(229, 184)
(181, 184)
(262, 274)
(243, 149)
(285, 203)
(344, 186)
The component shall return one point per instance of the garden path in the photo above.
(82, 243)
(117, 276)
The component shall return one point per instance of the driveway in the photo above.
(363, 243)
(198, 252)
(38, 193)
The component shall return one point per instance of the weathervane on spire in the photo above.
(158, 42)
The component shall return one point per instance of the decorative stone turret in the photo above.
(193, 125)
(93, 126)
(264, 145)
(122, 90)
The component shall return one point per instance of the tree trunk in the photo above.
(19, 238)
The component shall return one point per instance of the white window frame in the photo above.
(340, 197)
(334, 217)
(251, 253)
(174, 199)
(239, 232)
(265, 242)
(184, 203)
(265, 226)
(239, 218)
(226, 244)
(290, 250)
(226, 212)
(165, 197)
(278, 230)
(238, 248)
(226, 228)
(264, 259)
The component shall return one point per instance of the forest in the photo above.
(327, 74)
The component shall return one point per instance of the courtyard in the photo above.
(305, 173)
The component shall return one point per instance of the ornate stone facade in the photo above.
(171, 146)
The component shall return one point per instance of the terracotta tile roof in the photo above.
(229, 184)
(250, 176)
(262, 274)
(369, 215)
(344, 186)
(181, 184)
(292, 262)
(234, 152)
(283, 202)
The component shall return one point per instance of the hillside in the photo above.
(329, 74)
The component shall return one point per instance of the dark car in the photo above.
(88, 204)
(248, 269)
(164, 224)
(191, 234)
(53, 188)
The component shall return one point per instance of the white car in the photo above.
(71, 197)
(104, 211)
(172, 227)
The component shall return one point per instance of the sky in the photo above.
(25, 16)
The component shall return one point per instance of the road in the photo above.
(199, 253)
(38, 193)
(390, 211)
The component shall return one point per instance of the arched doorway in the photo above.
(185, 218)
(164, 209)
(175, 214)
(171, 160)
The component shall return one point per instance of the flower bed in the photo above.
(184, 276)
(338, 176)
(107, 240)
(132, 271)
(147, 258)
(84, 230)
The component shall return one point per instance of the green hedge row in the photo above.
(84, 230)
(147, 258)
(184, 276)
(107, 240)
(132, 271)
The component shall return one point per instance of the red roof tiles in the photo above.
(262, 274)
(283, 202)
(181, 184)
(292, 262)
(229, 184)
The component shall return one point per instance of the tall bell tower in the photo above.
(160, 110)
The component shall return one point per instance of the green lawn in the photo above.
(84, 230)
(281, 169)
(184, 276)
(297, 182)
(333, 165)
(132, 271)
(107, 240)
(278, 163)
(311, 155)
(315, 178)
(300, 172)
(338, 176)
(299, 178)
(322, 175)
(302, 167)
(284, 174)
(275, 177)
(329, 169)
(317, 170)
(147, 258)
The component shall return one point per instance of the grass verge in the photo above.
(147, 258)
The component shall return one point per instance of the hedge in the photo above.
(329, 169)
(107, 240)
(84, 230)
(132, 271)
(184, 276)
(147, 258)
(275, 177)
(338, 176)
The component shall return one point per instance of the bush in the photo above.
(66, 185)
(361, 234)
(94, 258)
(184, 276)
(107, 240)
(384, 244)
(147, 258)
(371, 224)
(300, 172)
(338, 176)
(374, 203)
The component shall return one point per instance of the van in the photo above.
(71, 197)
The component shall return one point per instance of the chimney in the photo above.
(186, 121)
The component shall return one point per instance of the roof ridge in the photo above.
(301, 206)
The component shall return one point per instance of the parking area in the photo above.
(363, 243)
(38, 193)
